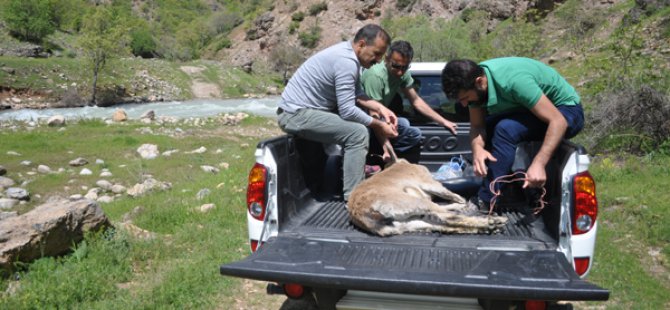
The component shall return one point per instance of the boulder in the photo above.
(48, 230)
(209, 169)
(148, 151)
(3, 170)
(43, 169)
(151, 115)
(104, 184)
(7, 203)
(118, 189)
(6, 182)
(85, 171)
(17, 193)
(148, 185)
(79, 161)
(120, 115)
(56, 121)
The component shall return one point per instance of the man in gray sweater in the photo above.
(319, 101)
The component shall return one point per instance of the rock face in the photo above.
(49, 229)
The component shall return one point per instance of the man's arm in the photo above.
(346, 79)
(426, 110)
(375, 108)
(545, 110)
(477, 141)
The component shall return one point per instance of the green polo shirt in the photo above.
(515, 83)
(379, 85)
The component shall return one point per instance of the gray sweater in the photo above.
(327, 81)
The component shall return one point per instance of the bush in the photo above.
(223, 43)
(298, 16)
(30, 20)
(402, 4)
(317, 8)
(631, 119)
(142, 43)
(293, 26)
(310, 38)
(224, 22)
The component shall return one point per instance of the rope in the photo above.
(504, 179)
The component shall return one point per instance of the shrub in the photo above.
(310, 38)
(298, 16)
(632, 119)
(224, 22)
(317, 8)
(223, 43)
(30, 20)
(402, 4)
(293, 26)
(142, 43)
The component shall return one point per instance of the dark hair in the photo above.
(370, 33)
(460, 74)
(403, 48)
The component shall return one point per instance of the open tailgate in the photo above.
(490, 274)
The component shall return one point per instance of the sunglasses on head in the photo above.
(399, 67)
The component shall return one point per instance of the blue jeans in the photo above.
(330, 128)
(408, 137)
(505, 132)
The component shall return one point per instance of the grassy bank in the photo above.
(179, 268)
(60, 76)
(633, 247)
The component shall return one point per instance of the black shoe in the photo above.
(477, 205)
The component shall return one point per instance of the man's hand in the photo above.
(388, 116)
(383, 129)
(479, 159)
(536, 176)
(450, 125)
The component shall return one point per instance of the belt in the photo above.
(280, 111)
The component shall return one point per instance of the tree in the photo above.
(30, 20)
(286, 58)
(103, 37)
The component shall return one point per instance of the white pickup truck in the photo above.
(304, 244)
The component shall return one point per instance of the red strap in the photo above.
(505, 179)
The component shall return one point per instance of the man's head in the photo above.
(370, 44)
(464, 81)
(398, 57)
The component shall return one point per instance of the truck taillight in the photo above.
(586, 203)
(256, 191)
(582, 265)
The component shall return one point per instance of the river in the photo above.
(265, 106)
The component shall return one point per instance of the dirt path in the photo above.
(199, 87)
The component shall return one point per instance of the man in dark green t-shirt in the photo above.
(512, 100)
(383, 82)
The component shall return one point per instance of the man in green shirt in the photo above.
(382, 82)
(512, 100)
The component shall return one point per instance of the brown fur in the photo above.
(398, 200)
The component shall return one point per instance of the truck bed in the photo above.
(330, 220)
(322, 249)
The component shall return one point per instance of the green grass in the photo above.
(633, 217)
(178, 269)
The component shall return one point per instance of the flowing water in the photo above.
(266, 106)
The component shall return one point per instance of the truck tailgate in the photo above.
(322, 249)
(538, 275)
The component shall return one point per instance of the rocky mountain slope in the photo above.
(342, 18)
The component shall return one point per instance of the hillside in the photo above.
(614, 51)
